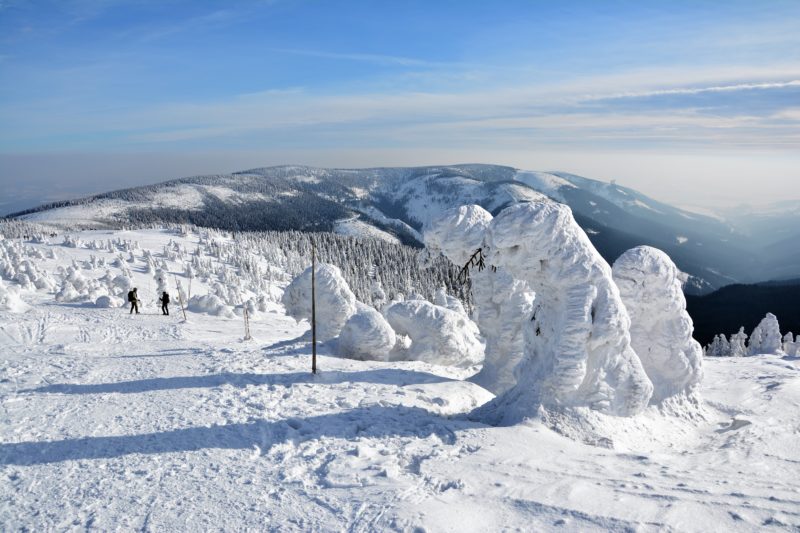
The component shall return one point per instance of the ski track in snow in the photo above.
(120, 422)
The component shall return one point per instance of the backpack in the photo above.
(131, 296)
(165, 298)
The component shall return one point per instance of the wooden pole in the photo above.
(313, 309)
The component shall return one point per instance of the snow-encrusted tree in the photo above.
(661, 329)
(766, 337)
(738, 343)
(576, 344)
(335, 302)
(789, 344)
(754, 345)
(501, 302)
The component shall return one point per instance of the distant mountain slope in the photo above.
(725, 310)
(395, 203)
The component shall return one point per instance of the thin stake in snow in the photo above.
(246, 316)
(313, 310)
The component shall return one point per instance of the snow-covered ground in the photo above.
(113, 421)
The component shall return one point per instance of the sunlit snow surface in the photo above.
(119, 422)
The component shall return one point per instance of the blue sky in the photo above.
(686, 100)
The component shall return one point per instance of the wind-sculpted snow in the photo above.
(438, 335)
(661, 329)
(501, 302)
(366, 336)
(335, 302)
(577, 345)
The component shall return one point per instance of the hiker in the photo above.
(164, 303)
(133, 298)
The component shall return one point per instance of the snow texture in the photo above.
(577, 345)
(366, 336)
(661, 329)
(335, 302)
(438, 335)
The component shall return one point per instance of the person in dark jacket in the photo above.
(133, 298)
(164, 303)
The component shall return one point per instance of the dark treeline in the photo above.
(725, 310)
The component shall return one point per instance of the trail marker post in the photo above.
(246, 315)
(313, 309)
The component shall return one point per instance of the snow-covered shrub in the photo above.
(661, 329)
(766, 337)
(68, 293)
(719, 347)
(366, 336)
(335, 302)
(502, 304)
(438, 335)
(441, 298)
(577, 348)
(210, 304)
(107, 301)
(10, 299)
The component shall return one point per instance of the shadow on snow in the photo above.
(393, 376)
(261, 435)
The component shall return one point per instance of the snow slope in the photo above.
(118, 422)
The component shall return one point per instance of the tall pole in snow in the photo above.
(313, 308)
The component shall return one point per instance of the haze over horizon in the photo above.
(692, 103)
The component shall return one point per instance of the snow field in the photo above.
(118, 422)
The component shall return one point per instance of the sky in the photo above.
(696, 103)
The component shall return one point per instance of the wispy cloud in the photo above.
(371, 58)
(700, 90)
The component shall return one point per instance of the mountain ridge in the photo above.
(398, 201)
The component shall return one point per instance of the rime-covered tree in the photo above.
(738, 343)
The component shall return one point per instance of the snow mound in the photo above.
(438, 335)
(577, 348)
(10, 299)
(366, 336)
(335, 302)
(661, 329)
(210, 304)
(501, 302)
(108, 302)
